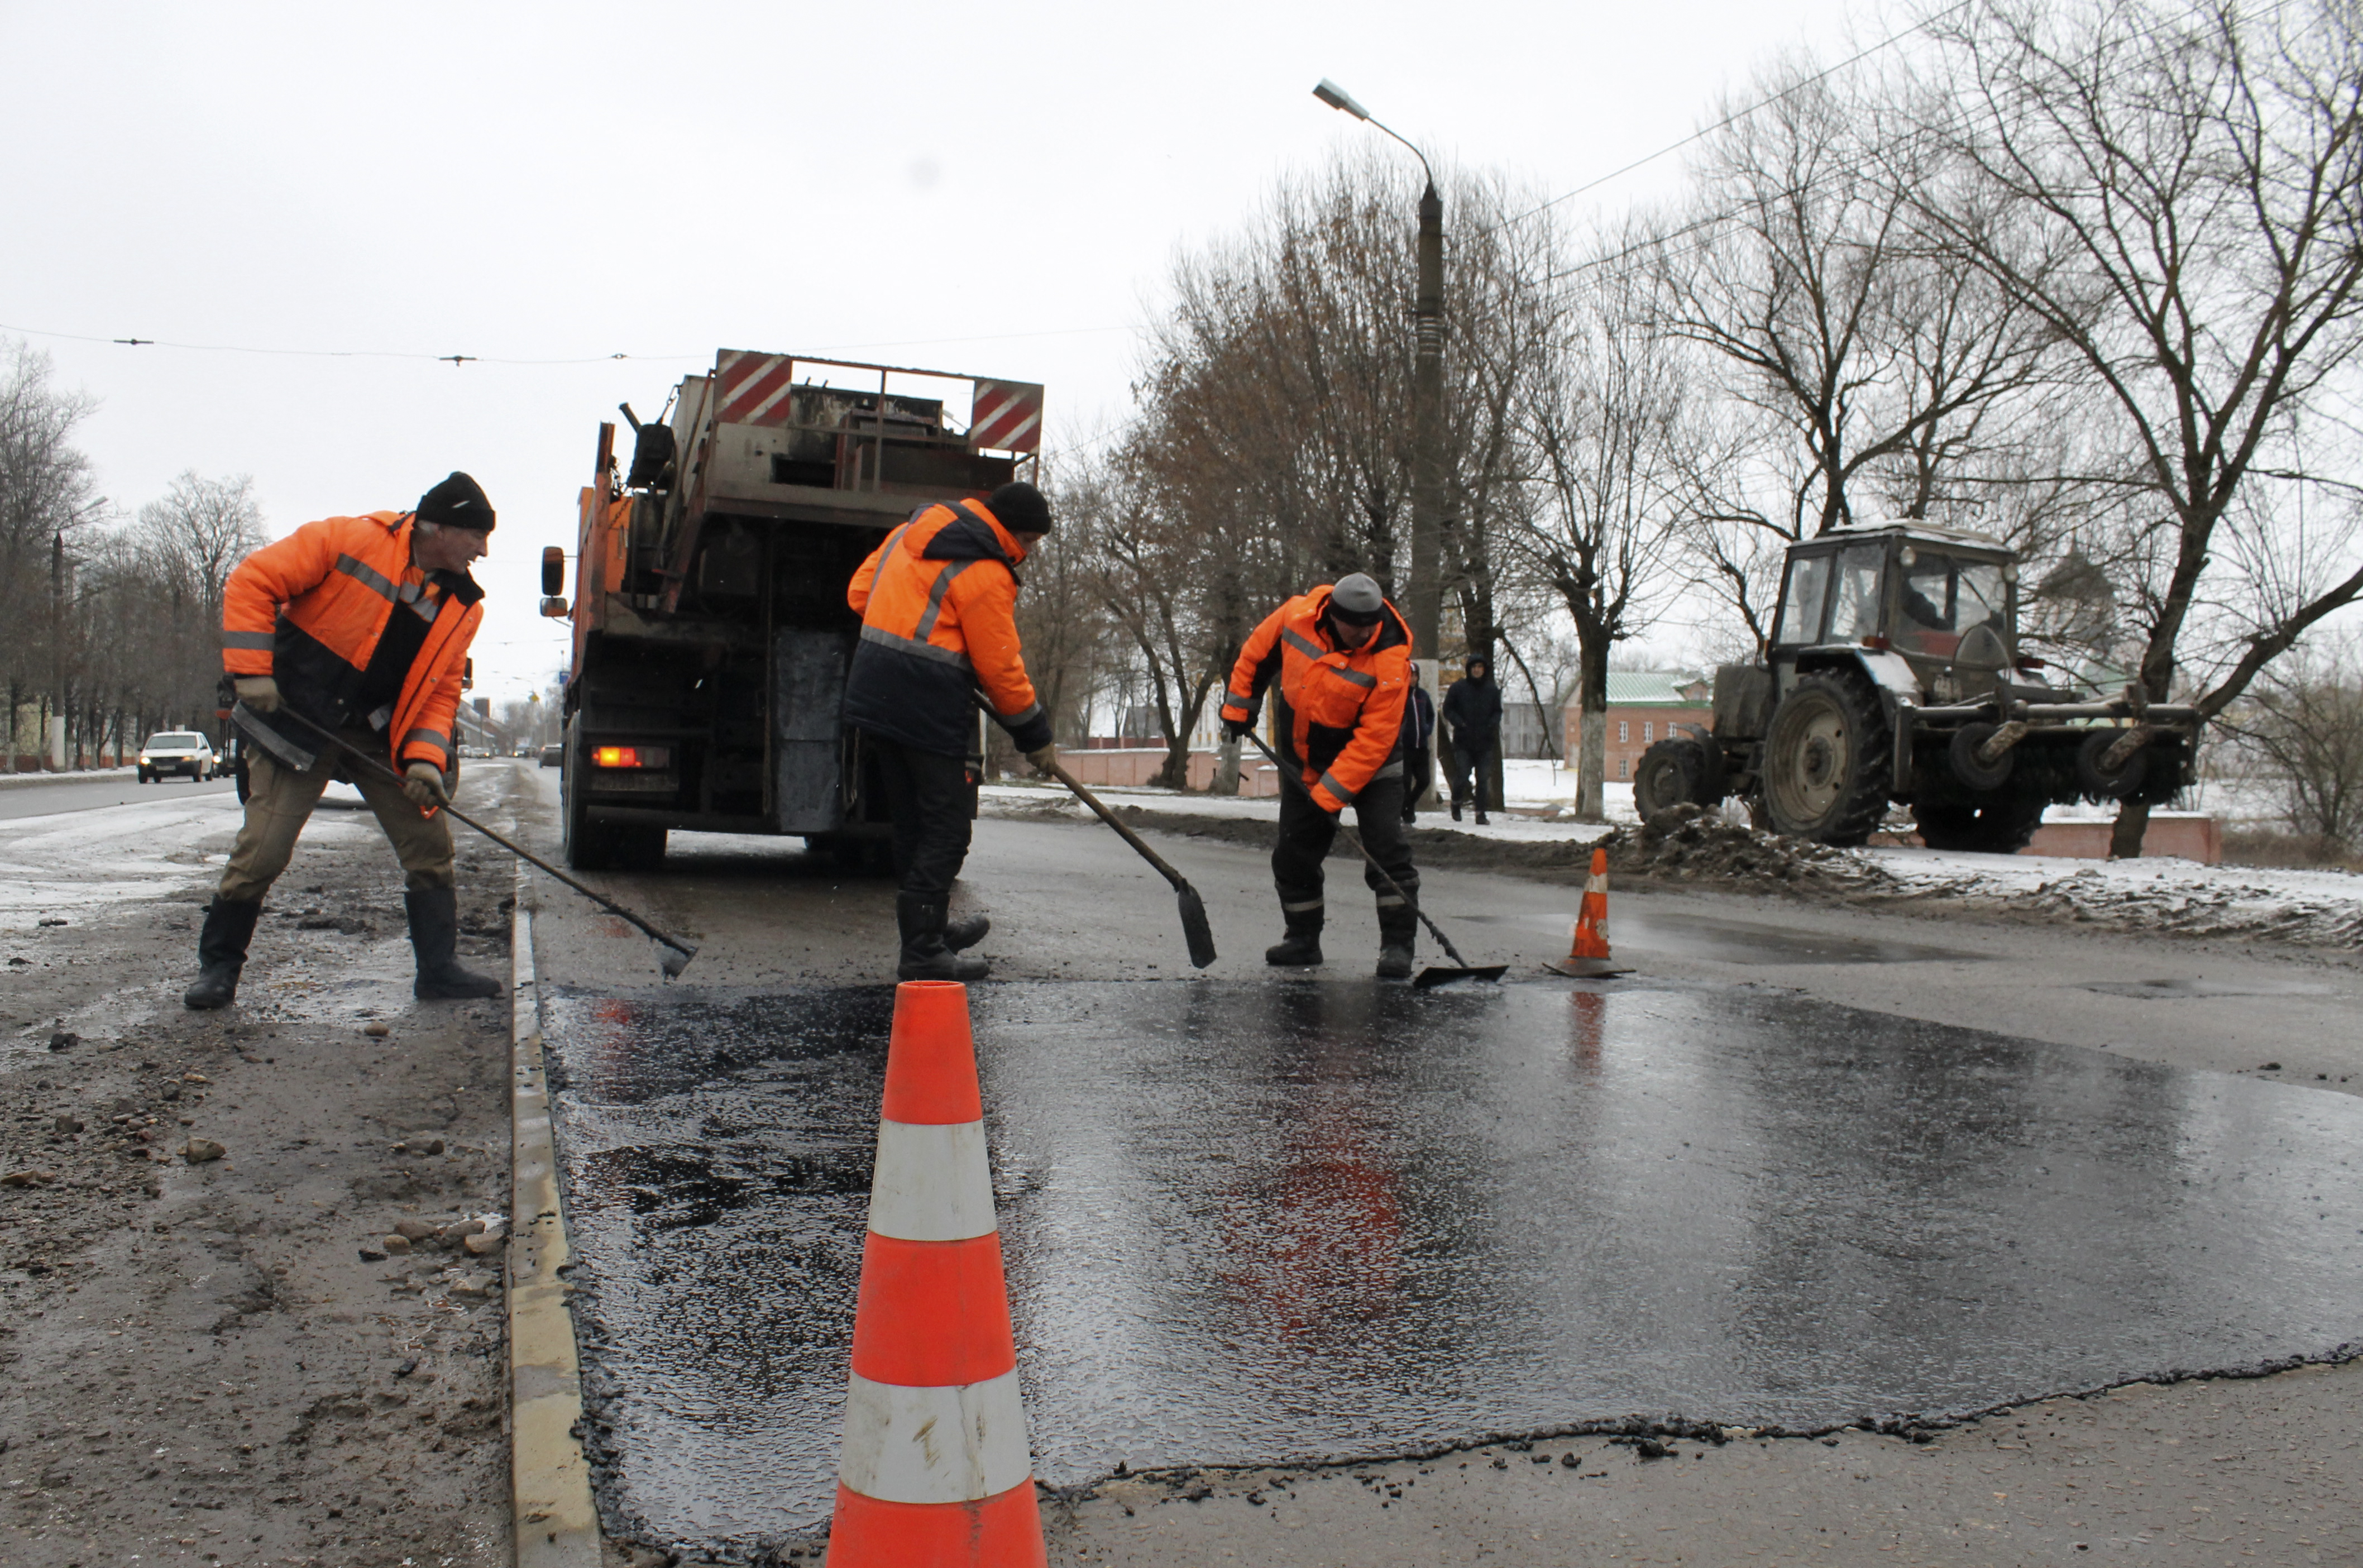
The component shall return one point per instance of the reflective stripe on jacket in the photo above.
(1338, 712)
(939, 602)
(310, 609)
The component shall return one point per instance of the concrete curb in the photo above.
(555, 1524)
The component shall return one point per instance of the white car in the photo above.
(182, 753)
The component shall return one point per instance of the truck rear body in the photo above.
(712, 636)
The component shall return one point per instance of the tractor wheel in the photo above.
(1997, 827)
(2096, 782)
(1827, 760)
(1672, 772)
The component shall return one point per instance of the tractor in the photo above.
(1894, 677)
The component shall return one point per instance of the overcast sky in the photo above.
(992, 189)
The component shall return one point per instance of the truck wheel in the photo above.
(636, 846)
(1672, 772)
(2099, 785)
(1826, 760)
(1996, 828)
(590, 845)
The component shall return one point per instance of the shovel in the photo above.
(253, 726)
(1433, 974)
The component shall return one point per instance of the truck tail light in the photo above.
(1876, 644)
(631, 756)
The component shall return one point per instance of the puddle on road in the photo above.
(2194, 985)
(1731, 941)
(1287, 1222)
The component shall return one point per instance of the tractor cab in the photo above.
(1942, 600)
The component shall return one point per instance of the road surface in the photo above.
(1773, 1179)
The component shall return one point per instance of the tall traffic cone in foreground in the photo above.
(1588, 958)
(934, 1470)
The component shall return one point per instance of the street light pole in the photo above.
(1425, 593)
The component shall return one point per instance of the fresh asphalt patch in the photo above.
(1294, 1223)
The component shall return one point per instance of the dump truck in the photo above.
(711, 635)
(1894, 677)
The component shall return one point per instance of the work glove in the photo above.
(260, 693)
(423, 782)
(1238, 728)
(1044, 758)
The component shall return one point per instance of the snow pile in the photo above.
(2310, 908)
(1690, 843)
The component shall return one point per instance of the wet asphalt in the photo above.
(1296, 1222)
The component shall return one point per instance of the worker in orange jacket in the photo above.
(937, 602)
(360, 624)
(1340, 657)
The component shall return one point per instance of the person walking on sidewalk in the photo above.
(360, 624)
(1340, 659)
(1419, 746)
(937, 602)
(1472, 709)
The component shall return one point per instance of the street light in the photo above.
(1428, 393)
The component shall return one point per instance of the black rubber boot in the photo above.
(221, 953)
(434, 938)
(1398, 931)
(966, 932)
(1456, 810)
(1302, 946)
(926, 954)
(1481, 816)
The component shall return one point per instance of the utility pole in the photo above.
(1425, 591)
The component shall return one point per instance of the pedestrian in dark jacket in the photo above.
(1472, 711)
(1419, 748)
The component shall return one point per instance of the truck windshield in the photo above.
(1942, 598)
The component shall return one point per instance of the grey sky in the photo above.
(988, 189)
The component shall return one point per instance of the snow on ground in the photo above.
(77, 863)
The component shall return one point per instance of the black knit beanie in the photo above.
(1020, 508)
(459, 502)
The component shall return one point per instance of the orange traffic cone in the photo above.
(934, 1470)
(1588, 958)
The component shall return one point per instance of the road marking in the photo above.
(555, 1524)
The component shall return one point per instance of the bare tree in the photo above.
(2177, 194)
(197, 531)
(2300, 726)
(45, 497)
(1604, 428)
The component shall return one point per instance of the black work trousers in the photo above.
(933, 800)
(1306, 832)
(1474, 756)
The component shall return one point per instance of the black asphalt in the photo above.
(1290, 1221)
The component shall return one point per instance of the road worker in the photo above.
(937, 602)
(360, 624)
(1341, 658)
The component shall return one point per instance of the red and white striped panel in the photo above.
(752, 389)
(1007, 416)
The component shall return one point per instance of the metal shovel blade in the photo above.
(1195, 927)
(1438, 974)
(675, 960)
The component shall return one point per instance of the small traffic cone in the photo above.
(934, 1470)
(1588, 958)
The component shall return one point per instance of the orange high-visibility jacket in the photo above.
(1338, 714)
(310, 610)
(938, 604)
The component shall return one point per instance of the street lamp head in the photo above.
(1336, 97)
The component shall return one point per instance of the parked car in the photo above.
(553, 755)
(182, 752)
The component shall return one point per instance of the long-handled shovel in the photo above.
(1433, 974)
(257, 728)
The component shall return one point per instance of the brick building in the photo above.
(1644, 707)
